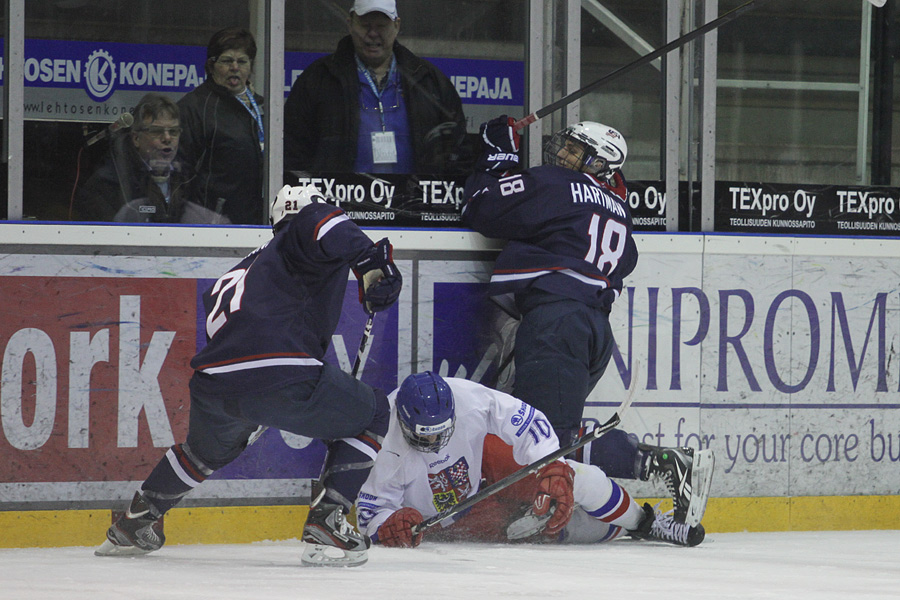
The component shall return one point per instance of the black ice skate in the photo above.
(656, 526)
(687, 474)
(330, 540)
(137, 531)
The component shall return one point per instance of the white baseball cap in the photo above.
(364, 7)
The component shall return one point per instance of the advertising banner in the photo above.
(779, 356)
(95, 371)
(98, 81)
(807, 209)
(386, 200)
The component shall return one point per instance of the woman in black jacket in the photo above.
(223, 136)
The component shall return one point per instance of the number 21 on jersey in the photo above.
(233, 280)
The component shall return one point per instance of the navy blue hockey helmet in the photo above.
(426, 411)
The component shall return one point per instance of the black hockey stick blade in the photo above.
(647, 58)
(522, 473)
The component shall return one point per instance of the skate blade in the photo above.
(528, 525)
(107, 548)
(320, 555)
(701, 480)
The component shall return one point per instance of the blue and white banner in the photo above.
(98, 81)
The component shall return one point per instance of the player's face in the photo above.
(571, 155)
(373, 37)
(156, 141)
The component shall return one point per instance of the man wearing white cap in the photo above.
(372, 106)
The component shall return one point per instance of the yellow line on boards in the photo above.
(243, 524)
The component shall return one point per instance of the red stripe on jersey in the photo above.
(187, 465)
(620, 510)
(321, 223)
(369, 441)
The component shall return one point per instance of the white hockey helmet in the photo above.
(291, 200)
(604, 147)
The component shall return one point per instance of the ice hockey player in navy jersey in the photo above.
(569, 249)
(450, 437)
(269, 321)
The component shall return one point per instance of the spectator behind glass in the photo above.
(223, 134)
(373, 106)
(139, 179)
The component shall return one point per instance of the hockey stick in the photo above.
(367, 333)
(524, 472)
(647, 58)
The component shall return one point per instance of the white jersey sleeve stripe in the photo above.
(268, 362)
(179, 471)
(329, 225)
(361, 446)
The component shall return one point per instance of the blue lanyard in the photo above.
(256, 114)
(362, 68)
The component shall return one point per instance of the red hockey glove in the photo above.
(555, 483)
(379, 278)
(396, 532)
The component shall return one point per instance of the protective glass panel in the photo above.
(399, 127)
(789, 93)
(90, 64)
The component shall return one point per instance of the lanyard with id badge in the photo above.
(384, 143)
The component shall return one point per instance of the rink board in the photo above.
(777, 352)
(244, 524)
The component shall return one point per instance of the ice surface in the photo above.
(815, 565)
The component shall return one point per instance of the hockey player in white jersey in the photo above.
(448, 437)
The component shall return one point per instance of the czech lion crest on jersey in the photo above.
(449, 486)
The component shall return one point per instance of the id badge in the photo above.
(384, 148)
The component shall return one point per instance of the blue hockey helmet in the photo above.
(426, 411)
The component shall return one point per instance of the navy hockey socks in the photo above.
(616, 453)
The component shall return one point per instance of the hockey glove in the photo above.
(500, 151)
(555, 483)
(396, 532)
(378, 276)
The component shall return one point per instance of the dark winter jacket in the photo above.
(221, 142)
(122, 189)
(321, 114)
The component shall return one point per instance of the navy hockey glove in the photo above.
(556, 483)
(396, 531)
(500, 151)
(378, 276)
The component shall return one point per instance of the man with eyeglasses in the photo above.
(139, 179)
(372, 106)
(223, 138)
